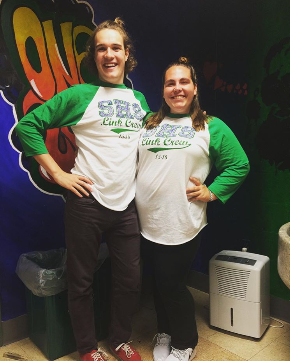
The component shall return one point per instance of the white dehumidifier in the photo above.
(240, 292)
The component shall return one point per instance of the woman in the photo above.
(106, 118)
(179, 143)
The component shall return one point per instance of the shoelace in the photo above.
(161, 339)
(128, 350)
(100, 355)
(180, 354)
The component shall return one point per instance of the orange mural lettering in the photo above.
(47, 54)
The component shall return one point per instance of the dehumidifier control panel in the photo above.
(235, 259)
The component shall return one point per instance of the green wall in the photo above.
(268, 130)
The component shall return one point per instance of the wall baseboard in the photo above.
(14, 330)
(17, 328)
(280, 308)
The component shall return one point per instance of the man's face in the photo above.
(110, 56)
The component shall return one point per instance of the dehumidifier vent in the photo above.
(232, 282)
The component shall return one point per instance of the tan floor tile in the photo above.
(22, 342)
(202, 313)
(276, 351)
(144, 346)
(26, 348)
(285, 339)
(204, 330)
(243, 346)
(144, 321)
(240, 346)
(214, 344)
(33, 352)
(71, 357)
(208, 351)
(273, 333)
(284, 333)
(13, 348)
(280, 324)
(227, 356)
(202, 321)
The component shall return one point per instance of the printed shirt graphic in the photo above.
(106, 120)
(168, 155)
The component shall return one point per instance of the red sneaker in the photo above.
(95, 356)
(125, 352)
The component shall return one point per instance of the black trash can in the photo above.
(48, 316)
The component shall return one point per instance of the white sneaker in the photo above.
(162, 347)
(181, 355)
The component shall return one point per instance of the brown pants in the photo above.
(86, 222)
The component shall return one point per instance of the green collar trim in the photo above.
(109, 85)
(175, 115)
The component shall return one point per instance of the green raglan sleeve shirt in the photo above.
(229, 158)
(106, 120)
(63, 110)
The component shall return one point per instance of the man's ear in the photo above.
(127, 54)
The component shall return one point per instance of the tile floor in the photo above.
(214, 345)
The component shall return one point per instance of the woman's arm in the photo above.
(231, 161)
(199, 192)
(229, 158)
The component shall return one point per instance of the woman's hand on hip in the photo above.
(199, 192)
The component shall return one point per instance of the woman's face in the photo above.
(179, 90)
(110, 56)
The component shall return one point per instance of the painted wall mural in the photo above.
(216, 82)
(46, 50)
(42, 46)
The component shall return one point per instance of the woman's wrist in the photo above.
(212, 196)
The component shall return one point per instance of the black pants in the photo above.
(86, 221)
(173, 302)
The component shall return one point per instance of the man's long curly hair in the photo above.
(118, 25)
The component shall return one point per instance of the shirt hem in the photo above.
(174, 244)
